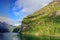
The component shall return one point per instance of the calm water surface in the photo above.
(9, 36)
(16, 36)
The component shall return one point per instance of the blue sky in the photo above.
(18, 9)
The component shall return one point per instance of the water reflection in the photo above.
(9, 36)
(40, 37)
(16, 36)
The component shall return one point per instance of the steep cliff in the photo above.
(45, 21)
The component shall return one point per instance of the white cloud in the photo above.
(16, 13)
(24, 10)
(27, 7)
(44, 4)
(7, 20)
(19, 20)
(17, 24)
(30, 6)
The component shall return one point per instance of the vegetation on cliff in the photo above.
(45, 21)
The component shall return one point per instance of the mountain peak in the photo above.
(7, 23)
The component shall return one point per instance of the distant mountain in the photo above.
(7, 23)
(45, 21)
(7, 20)
(3, 27)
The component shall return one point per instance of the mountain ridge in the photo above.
(45, 21)
(7, 20)
(8, 23)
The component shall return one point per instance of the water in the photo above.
(16, 36)
(9, 36)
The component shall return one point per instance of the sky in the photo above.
(16, 10)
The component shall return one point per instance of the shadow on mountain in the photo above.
(3, 27)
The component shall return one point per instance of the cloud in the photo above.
(16, 13)
(7, 20)
(23, 8)
(30, 6)
(44, 4)
(17, 24)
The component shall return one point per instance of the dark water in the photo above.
(9, 36)
(16, 36)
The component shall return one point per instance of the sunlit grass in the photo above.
(43, 24)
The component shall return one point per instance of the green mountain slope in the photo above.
(45, 21)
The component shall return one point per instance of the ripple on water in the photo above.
(9, 36)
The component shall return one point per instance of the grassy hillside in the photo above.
(45, 21)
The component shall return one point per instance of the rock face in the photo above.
(45, 21)
(57, 12)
